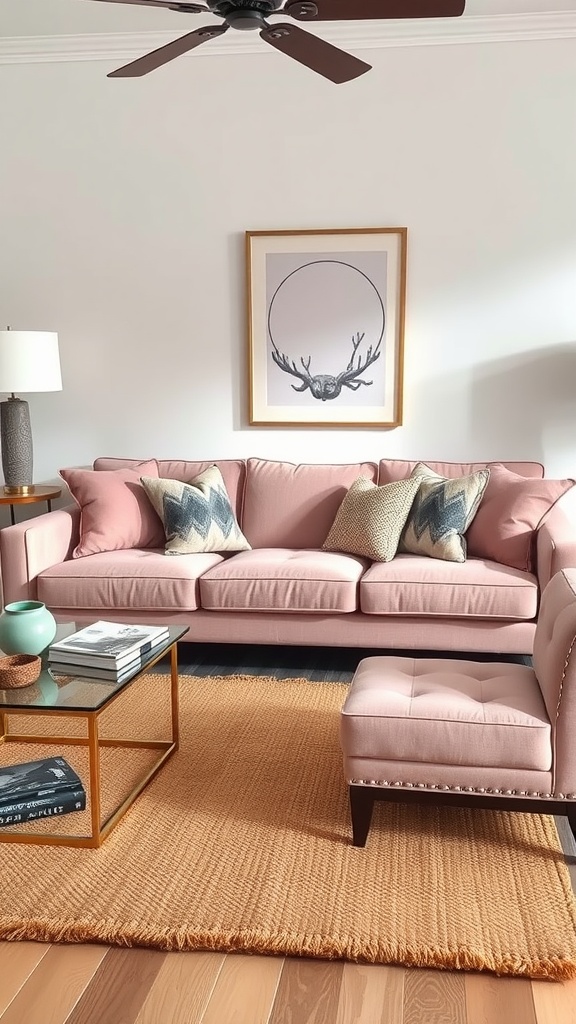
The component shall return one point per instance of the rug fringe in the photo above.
(176, 940)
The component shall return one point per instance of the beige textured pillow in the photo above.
(442, 512)
(370, 519)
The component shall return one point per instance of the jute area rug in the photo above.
(242, 843)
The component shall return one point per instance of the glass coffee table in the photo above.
(54, 698)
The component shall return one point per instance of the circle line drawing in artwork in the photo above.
(327, 386)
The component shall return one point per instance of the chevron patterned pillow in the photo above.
(197, 516)
(443, 509)
(370, 519)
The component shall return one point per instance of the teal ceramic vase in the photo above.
(26, 627)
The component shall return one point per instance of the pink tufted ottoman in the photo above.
(488, 734)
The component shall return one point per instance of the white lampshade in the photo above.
(29, 361)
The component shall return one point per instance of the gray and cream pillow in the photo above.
(443, 509)
(196, 516)
(370, 519)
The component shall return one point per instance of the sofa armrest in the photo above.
(30, 547)
(556, 544)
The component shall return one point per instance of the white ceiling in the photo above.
(76, 17)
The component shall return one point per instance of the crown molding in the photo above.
(367, 35)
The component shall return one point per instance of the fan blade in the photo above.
(168, 5)
(358, 10)
(163, 54)
(315, 53)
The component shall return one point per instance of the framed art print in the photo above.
(326, 327)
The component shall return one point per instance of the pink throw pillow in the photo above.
(116, 512)
(510, 513)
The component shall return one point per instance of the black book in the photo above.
(51, 805)
(30, 780)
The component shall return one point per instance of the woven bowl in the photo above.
(19, 670)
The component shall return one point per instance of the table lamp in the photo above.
(29, 361)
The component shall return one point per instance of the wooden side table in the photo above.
(47, 494)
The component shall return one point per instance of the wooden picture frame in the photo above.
(326, 314)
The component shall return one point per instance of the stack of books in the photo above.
(39, 789)
(106, 650)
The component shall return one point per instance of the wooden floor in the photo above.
(88, 984)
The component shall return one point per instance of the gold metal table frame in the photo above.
(99, 830)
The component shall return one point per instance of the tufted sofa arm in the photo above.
(555, 667)
(555, 545)
(28, 548)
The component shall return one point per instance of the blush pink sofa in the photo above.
(287, 590)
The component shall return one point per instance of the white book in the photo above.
(108, 643)
(99, 673)
(72, 658)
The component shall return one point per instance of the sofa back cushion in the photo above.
(233, 473)
(398, 469)
(294, 506)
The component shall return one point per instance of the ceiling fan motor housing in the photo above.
(244, 14)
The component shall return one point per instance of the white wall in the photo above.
(123, 209)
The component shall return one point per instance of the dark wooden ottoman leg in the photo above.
(361, 805)
(571, 815)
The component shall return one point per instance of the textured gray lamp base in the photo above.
(16, 437)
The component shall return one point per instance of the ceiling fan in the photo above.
(317, 54)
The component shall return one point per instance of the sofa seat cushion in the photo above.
(417, 585)
(283, 579)
(437, 711)
(140, 579)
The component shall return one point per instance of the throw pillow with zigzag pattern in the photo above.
(197, 516)
(443, 509)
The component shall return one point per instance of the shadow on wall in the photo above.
(524, 406)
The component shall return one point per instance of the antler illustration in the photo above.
(282, 362)
(325, 386)
(349, 378)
